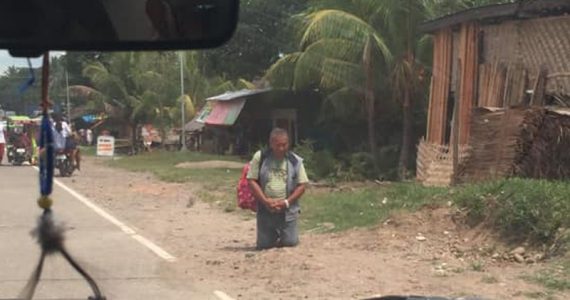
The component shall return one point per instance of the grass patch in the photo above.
(88, 150)
(551, 281)
(218, 184)
(554, 278)
(537, 295)
(520, 209)
(162, 164)
(365, 207)
(146, 161)
(489, 279)
(478, 266)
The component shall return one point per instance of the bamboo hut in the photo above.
(507, 56)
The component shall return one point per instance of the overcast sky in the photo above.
(7, 61)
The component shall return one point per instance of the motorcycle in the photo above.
(18, 155)
(64, 164)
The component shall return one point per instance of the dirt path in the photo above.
(216, 248)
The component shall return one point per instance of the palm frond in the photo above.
(307, 71)
(336, 24)
(342, 105)
(245, 84)
(281, 73)
(337, 74)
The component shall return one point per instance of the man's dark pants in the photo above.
(274, 230)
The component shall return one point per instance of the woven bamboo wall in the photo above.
(435, 163)
(534, 43)
(494, 144)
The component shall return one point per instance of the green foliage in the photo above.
(318, 164)
(520, 209)
(364, 164)
(324, 164)
(551, 281)
(163, 165)
(555, 277)
(363, 207)
(263, 33)
(88, 150)
(11, 98)
(477, 266)
(387, 162)
(306, 149)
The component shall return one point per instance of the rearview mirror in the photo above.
(41, 25)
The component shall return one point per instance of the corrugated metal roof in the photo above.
(509, 11)
(193, 125)
(224, 113)
(227, 96)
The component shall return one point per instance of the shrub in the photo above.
(324, 164)
(521, 209)
(364, 164)
(306, 149)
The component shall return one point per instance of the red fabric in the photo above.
(1, 152)
(245, 197)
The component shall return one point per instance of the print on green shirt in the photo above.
(277, 182)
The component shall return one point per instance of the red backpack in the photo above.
(245, 197)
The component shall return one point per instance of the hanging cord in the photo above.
(48, 234)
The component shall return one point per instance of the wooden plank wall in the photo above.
(440, 85)
(491, 85)
(469, 66)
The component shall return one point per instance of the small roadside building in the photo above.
(240, 122)
(497, 56)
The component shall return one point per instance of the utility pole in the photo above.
(67, 97)
(183, 131)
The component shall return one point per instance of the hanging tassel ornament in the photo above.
(49, 234)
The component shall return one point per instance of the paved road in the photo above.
(123, 266)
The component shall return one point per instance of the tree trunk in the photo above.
(133, 126)
(407, 103)
(369, 95)
(406, 136)
(162, 128)
(371, 122)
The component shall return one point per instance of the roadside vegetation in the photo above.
(163, 165)
(526, 212)
(520, 210)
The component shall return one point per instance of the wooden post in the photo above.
(455, 132)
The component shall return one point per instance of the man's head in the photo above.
(279, 142)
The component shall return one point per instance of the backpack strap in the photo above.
(292, 158)
(264, 154)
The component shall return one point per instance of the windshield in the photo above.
(330, 150)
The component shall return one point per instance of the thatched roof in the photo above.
(500, 12)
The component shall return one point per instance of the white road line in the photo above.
(126, 229)
(222, 296)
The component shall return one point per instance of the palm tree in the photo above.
(341, 53)
(399, 21)
(355, 48)
(116, 87)
(197, 86)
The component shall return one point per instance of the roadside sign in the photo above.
(105, 146)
